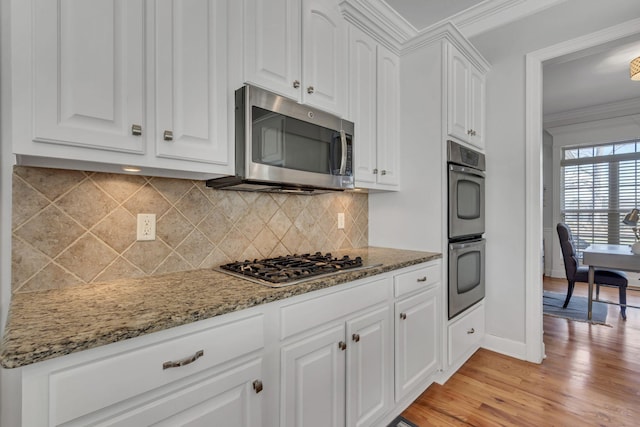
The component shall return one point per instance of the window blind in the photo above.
(599, 186)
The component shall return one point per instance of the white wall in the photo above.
(505, 48)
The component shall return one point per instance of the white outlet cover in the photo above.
(341, 221)
(146, 229)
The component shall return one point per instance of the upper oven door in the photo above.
(466, 202)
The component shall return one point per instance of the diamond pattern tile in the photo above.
(90, 223)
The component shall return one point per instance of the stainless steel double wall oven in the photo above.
(466, 227)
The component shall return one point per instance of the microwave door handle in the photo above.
(343, 161)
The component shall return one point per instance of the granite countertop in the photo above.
(47, 324)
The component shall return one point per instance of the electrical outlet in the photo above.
(341, 221)
(146, 227)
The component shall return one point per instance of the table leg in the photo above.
(590, 299)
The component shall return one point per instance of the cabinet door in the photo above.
(191, 80)
(417, 325)
(457, 91)
(227, 399)
(324, 56)
(476, 107)
(273, 46)
(89, 74)
(313, 381)
(388, 116)
(362, 104)
(369, 377)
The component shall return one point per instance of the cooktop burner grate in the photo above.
(292, 268)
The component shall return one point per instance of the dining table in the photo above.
(619, 257)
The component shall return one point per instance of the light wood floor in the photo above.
(590, 377)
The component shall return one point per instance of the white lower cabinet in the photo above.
(326, 359)
(193, 377)
(416, 330)
(341, 375)
(465, 334)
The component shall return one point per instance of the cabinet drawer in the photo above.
(84, 389)
(466, 333)
(305, 315)
(410, 281)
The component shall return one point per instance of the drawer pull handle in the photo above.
(310, 90)
(356, 337)
(342, 345)
(257, 386)
(167, 135)
(422, 279)
(403, 316)
(182, 362)
(136, 130)
(471, 331)
(296, 84)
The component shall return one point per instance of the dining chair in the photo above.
(580, 273)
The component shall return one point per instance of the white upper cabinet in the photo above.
(105, 84)
(297, 49)
(374, 108)
(191, 80)
(89, 74)
(466, 98)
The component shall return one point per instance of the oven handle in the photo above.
(468, 171)
(343, 162)
(464, 245)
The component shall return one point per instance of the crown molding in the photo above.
(611, 110)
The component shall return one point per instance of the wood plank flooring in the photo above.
(590, 377)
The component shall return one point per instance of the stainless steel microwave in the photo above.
(285, 146)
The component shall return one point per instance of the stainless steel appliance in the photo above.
(285, 146)
(466, 274)
(466, 191)
(466, 221)
(292, 269)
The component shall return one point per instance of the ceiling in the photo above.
(574, 84)
(594, 77)
(424, 13)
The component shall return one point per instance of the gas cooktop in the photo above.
(291, 269)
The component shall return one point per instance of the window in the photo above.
(600, 184)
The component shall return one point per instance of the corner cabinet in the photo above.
(297, 49)
(109, 84)
(374, 107)
(465, 98)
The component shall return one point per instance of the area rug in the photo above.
(401, 422)
(576, 310)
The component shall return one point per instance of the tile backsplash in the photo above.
(72, 227)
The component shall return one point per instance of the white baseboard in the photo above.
(558, 274)
(505, 346)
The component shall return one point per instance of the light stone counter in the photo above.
(47, 324)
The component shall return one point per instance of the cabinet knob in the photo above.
(296, 84)
(375, 171)
(473, 133)
(168, 135)
(342, 345)
(310, 89)
(403, 316)
(471, 331)
(183, 362)
(422, 279)
(257, 386)
(469, 132)
(136, 130)
(356, 337)
(383, 172)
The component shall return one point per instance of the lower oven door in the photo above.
(466, 274)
